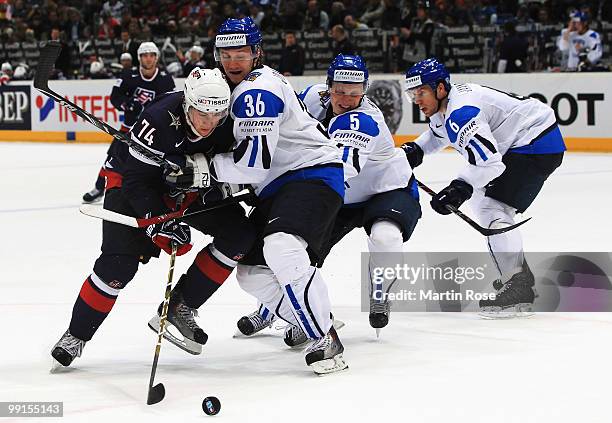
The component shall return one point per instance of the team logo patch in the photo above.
(230, 40)
(349, 76)
(252, 76)
(413, 82)
(143, 95)
(176, 121)
(196, 74)
(323, 97)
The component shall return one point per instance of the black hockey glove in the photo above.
(193, 173)
(455, 194)
(133, 106)
(219, 192)
(414, 153)
(165, 233)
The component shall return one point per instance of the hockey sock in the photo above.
(93, 304)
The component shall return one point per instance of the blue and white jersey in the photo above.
(275, 136)
(372, 164)
(482, 124)
(576, 42)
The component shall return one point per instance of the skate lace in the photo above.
(188, 315)
(382, 307)
(320, 344)
(74, 346)
(511, 290)
(258, 321)
(294, 332)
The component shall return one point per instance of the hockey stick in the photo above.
(135, 222)
(484, 231)
(158, 392)
(48, 56)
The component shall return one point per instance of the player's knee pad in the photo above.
(495, 214)
(259, 281)
(385, 235)
(286, 255)
(116, 270)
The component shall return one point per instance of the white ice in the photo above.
(426, 367)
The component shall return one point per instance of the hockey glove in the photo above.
(219, 192)
(414, 153)
(165, 233)
(133, 106)
(193, 173)
(455, 194)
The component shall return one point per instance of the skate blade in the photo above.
(185, 344)
(338, 324)
(377, 333)
(330, 365)
(521, 310)
(57, 367)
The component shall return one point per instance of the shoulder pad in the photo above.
(355, 121)
(255, 103)
(458, 119)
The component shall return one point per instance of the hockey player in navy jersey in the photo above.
(381, 194)
(183, 127)
(132, 91)
(511, 144)
(297, 175)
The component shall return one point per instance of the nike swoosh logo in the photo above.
(178, 144)
(437, 126)
(272, 220)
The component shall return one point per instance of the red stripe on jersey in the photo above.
(113, 179)
(211, 268)
(94, 299)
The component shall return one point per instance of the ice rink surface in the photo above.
(426, 367)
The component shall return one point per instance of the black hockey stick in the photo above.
(484, 231)
(48, 56)
(158, 392)
(135, 222)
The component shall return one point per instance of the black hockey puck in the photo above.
(211, 405)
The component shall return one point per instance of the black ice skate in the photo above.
(93, 196)
(255, 322)
(379, 314)
(66, 350)
(295, 336)
(513, 299)
(190, 336)
(325, 354)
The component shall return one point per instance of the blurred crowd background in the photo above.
(101, 38)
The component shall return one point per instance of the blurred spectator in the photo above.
(292, 18)
(97, 70)
(256, 14)
(337, 14)
(127, 62)
(272, 21)
(109, 29)
(292, 57)
(6, 73)
(74, 27)
(113, 8)
(373, 13)
(191, 60)
(22, 72)
(64, 61)
(512, 51)
(175, 69)
(416, 38)
(315, 19)
(128, 45)
(392, 16)
(351, 24)
(582, 44)
(209, 48)
(342, 44)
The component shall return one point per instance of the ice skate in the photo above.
(93, 196)
(512, 299)
(324, 356)
(379, 314)
(190, 336)
(255, 322)
(295, 337)
(66, 350)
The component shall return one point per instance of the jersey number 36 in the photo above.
(254, 108)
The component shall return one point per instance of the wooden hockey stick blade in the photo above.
(469, 221)
(46, 63)
(98, 212)
(156, 394)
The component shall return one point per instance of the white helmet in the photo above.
(148, 47)
(175, 69)
(20, 72)
(125, 56)
(197, 50)
(206, 91)
(96, 67)
(6, 66)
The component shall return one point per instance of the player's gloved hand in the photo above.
(414, 153)
(193, 172)
(165, 233)
(219, 192)
(133, 106)
(455, 194)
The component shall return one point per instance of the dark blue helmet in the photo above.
(349, 69)
(427, 72)
(578, 16)
(238, 33)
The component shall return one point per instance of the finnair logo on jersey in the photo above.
(413, 82)
(349, 76)
(230, 40)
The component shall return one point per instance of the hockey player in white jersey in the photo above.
(511, 143)
(286, 156)
(581, 44)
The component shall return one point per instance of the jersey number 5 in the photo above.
(354, 122)
(148, 137)
(256, 108)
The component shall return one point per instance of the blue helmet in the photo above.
(347, 68)
(578, 16)
(427, 72)
(238, 33)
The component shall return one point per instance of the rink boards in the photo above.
(580, 101)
